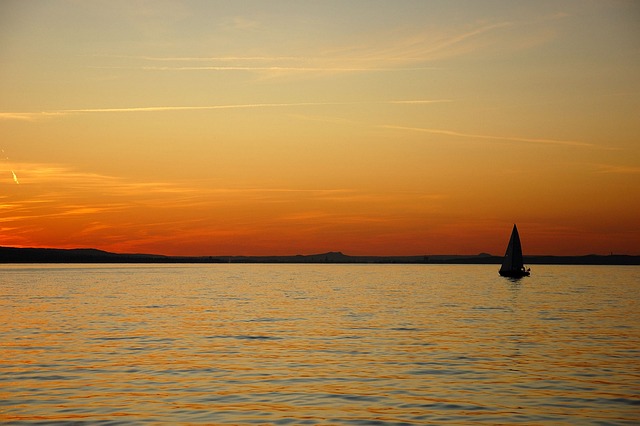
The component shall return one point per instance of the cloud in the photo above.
(277, 65)
(78, 210)
(389, 51)
(41, 173)
(30, 116)
(60, 206)
(197, 108)
(493, 137)
(58, 184)
(617, 169)
(420, 101)
(395, 50)
(423, 46)
(215, 58)
(287, 68)
(392, 51)
(18, 116)
(400, 50)
(54, 182)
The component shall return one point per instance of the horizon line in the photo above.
(335, 252)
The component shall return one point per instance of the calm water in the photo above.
(319, 344)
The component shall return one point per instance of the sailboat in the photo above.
(513, 263)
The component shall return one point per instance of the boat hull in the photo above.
(514, 274)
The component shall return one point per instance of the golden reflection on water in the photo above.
(318, 344)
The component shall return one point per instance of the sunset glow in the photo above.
(298, 127)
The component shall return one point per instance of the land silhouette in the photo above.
(84, 255)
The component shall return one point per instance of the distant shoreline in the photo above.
(50, 255)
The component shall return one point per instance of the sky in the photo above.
(375, 127)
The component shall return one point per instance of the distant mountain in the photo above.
(88, 255)
(49, 255)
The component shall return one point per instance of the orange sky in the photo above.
(298, 127)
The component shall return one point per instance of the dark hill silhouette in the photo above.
(49, 255)
(88, 255)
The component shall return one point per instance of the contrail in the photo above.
(419, 101)
(490, 137)
(284, 68)
(217, 58)
(63, 112)
(195, 108)
(240, 106)
(15, 178)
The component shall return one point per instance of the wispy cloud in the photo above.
(63, 207)
(104, 210)
(322, 63)
(401, 50)
(215, 58)
(618, 169)
(62, 182)
(428, 46)
(287, 68)
(78, 210)
(197, 108)
(395, 50)
(421, 101)
(55, 178)
(28, 116)
(39, 173)
(64, 112)
(493, 137)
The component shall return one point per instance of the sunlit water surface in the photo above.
(319, 344)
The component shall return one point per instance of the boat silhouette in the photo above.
(513, 262)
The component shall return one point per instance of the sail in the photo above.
(513, 257)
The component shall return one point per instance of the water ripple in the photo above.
(318, 345)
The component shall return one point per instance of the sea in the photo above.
(318, 344)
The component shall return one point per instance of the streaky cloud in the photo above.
(206, 107)
(29, 116)
(617, 169)
(417, 47)
(492, 137)
(218, 58)
(26, 116)
(470, 34)
(288, 68)
(421, 101)
(64, 112)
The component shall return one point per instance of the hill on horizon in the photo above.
(92, 255)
